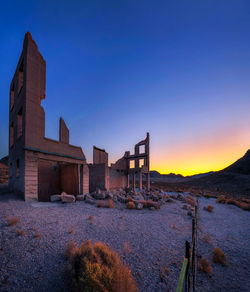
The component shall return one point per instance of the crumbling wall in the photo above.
(27, 141)
(98, 177)
(99, 156)
(63, 132)
(117, 179)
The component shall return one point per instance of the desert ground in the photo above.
(32, 250)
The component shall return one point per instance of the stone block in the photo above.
(55, 198)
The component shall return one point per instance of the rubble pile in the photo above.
(139, 200)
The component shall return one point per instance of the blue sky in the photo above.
(118, 69)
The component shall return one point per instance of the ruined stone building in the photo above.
(40, 167)
(118, 174)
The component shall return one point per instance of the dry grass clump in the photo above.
(71, 249)
(105, 204)
(129, 199)
(164, 271)
(209, 208)
(91, 219)
(94, 267)
(205, 266)
(230, 201)
(167, 197)
(126, 248)
(149, 203)
(241, 203)
(209, 195)
(99, 204)
(20, 232)
(221, 200)
(219, 256)
(130, 205)
(207, 238)
(189, 197)
(37, 235)
(190, 202)
(72, 231)
(110, 203)
(12, 221)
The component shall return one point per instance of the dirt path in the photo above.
(152, 239)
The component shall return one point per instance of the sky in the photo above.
(179, 70)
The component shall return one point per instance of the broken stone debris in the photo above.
(67, 198)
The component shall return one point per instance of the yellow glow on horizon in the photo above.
(212, 152)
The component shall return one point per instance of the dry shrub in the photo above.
(13, 221)
(221, 200)
(209, 208)
(99, 204)
(129, 199)
(150, 203)
(167, 197)
(91, 219)
(126, 248)
(72, 231)
(122, 217)
(219, 256)
(71, 249)
(205, 266)
(209, 195)
(230, 201)
(173, 226)
(207, 238)
(189, 197)
(94, 267)
(20, 232)
(130, 205)
(37, 235)
(164, 271)
(190, 202)
(246, 201)
(110, 203)
(243, 205)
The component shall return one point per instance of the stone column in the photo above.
(128, 180)
(140, 181)
(148, 181)
(134, 181)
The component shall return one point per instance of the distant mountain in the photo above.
(157, 175)
(234, 179)
(241, 166)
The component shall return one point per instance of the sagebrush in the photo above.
(94, 267)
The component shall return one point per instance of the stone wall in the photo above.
(117, 179)
(98, 177)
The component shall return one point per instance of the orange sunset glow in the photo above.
(203, 154)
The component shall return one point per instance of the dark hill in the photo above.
(241, 166)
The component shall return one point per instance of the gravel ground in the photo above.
(156, 239)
